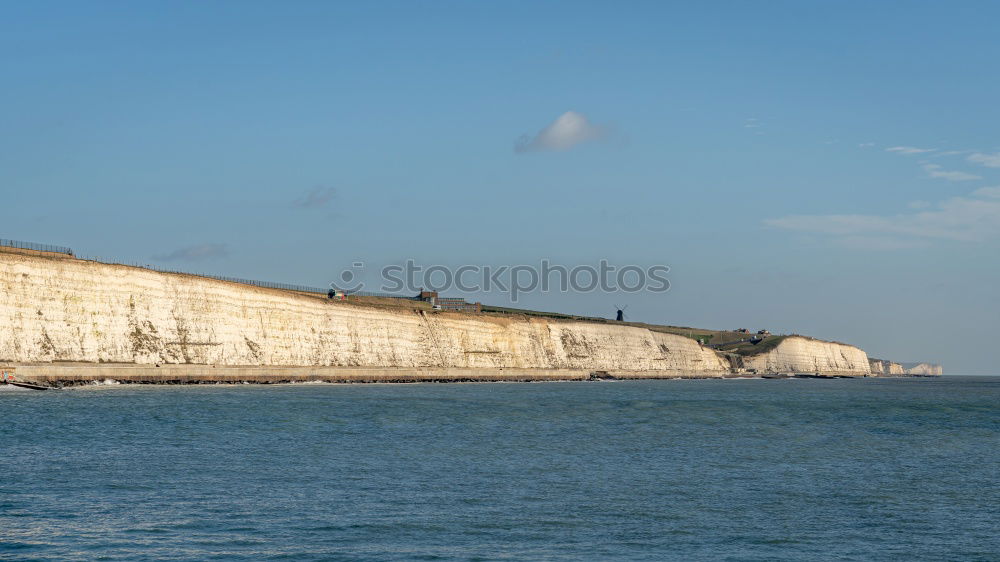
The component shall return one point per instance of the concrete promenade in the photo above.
(75, 374)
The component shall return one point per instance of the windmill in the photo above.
(621, 312)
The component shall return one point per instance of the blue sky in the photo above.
(812, 167)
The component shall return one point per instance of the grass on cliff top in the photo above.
(706, 336)
(748, 349)
(539, 313)
(715, 337)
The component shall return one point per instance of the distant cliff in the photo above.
(59, 310)
(881, 367)
(805, 355)
(927, 369)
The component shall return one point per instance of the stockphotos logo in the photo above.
(514, 280)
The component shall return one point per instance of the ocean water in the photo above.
(891, 469)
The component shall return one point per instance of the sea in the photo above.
(800, 469)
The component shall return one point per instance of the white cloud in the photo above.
(882, 243)
(969, 219)
(866, 145)
(568, 130)
(752, 123)
(988, 160)
(935, 171)
(907, 150)
(988, 192)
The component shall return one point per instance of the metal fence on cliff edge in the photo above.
(36, 247)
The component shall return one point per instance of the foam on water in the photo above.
(12, 388)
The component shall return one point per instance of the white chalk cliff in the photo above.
(922, 369)
(883, 368)
(804, 355)
(69, 310)
(54, 309)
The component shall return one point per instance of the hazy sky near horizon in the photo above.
(826, 168)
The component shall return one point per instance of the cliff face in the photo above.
(56, 310)
(803, 355)
(72, 310)
(926, 369)
(883, 368)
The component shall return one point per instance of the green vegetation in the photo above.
(708, 337)
(748, 348)
(526, 312)
(729, 341)
(717, 338)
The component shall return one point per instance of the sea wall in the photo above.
(67, 310)
(797, 354)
